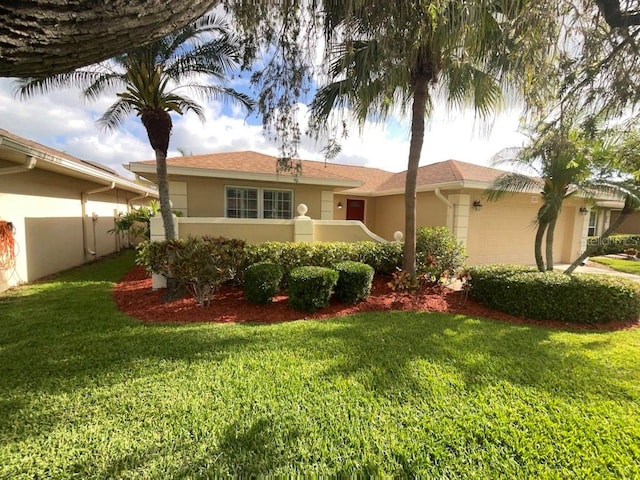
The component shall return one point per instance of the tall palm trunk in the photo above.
(158, 125)
(551, 228)
(420, 96)
(626, 211)
(163, 193)
(542, 227)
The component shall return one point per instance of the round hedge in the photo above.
(579, 298)
(354, 281)
(262, 282)
(310, 287)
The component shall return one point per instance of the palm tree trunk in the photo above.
(551, 228)
(420, 96)
(542, 226)
(163, 193)
(609, 231)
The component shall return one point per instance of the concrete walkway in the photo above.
(599, 269)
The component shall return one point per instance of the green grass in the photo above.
(86, 392)
(619, 264)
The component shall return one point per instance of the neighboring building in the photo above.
(59, 209)
(245, 185)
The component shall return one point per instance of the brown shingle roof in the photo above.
(374, 180)
(448, 171)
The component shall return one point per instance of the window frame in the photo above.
(260, 196)
(592, 230)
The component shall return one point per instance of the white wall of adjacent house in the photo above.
(45, 209)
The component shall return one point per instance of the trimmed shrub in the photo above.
(383, 257)
(199, 264)
(438, 252)
(354, 281)
(613, 244)
(262, 282)
(579, 298)
(311, 287)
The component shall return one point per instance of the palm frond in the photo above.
(217, 58)
(27, 87)
(107, 81)
(115, 115)
(511, 183)
(181, 104)
(225, 94)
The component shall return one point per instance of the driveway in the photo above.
(592, 267)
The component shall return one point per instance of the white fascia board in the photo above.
(91, 173)
(142, 168)
(612, 204)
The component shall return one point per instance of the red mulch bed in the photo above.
(134, 297)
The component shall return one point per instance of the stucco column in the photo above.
(326, 206)
(461, 208)
(302, 226)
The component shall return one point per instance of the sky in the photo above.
(65, 121)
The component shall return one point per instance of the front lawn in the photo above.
(619, 264)
(87, 392)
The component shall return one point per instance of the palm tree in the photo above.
(397, 55)
(561, 169)
(565, 162)
(148, 79)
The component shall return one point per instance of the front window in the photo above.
(593, 224)
(276, 204)
(244, 202)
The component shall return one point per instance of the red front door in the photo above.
(355, 210)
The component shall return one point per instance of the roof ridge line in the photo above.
(456, 169)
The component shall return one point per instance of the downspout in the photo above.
(131, 200)
(130, 208)
(83, 203)
(449, 205)
(27, 167)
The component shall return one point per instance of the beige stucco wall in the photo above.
(370, 208)
(46, 211)
(504, 232)
(389, 213)
(342, 231)
(630, 226)
(205, 196)
(243, 229)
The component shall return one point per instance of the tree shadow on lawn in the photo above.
(52, 345)
(60, 345)
(401, 352)
(67, 344)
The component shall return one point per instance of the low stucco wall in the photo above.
(254, 231)
(343, 231)
(251, 231)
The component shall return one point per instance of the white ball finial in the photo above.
(302, 209)
(397, 236)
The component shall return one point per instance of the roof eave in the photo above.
(74, 168)
(142, 168)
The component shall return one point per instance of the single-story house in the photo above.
(56, 210)
(243, 189)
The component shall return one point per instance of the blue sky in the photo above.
(63, 120)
